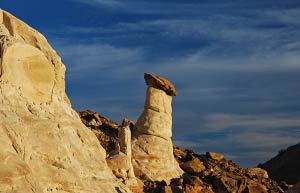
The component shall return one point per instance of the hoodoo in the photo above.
(44, 145)
(152, 148)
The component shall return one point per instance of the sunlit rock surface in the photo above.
(152, 148)
(44, 145)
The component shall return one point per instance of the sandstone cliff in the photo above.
(44, 145)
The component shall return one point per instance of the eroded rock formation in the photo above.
(207, 173)
(44, 145)
(116, 140)
(121, 163)
(46, 148)
(152, 148)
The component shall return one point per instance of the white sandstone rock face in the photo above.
(152, 148)
(44, 145)
(157, 116)
(124, 136)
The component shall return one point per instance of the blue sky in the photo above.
(235, 65)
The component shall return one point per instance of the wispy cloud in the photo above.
(153, 7)
(265, 140)
(287, 16)
(94, 58)
(254, 122)
(221, 42)
(241, 137)
(235, 65)
(111, 3)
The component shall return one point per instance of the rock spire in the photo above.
(152, 148)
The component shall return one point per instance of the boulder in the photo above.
(215, 156)
(160, 83)
(193, 167)
(222, 175)
(255, 188)
(120, 165)
(193, 184)
(122, 168)
(44, 145)
(261, 173)
(229, 183)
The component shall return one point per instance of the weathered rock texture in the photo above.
(121, 163)
(116, 141)
(152, 148)
(207, 173)
(105, 130)
(213, 173)
(44, 145)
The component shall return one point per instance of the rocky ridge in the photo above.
(285, 166)
(207, 173)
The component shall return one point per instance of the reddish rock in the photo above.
(105, 129)
(194, 166)
(207, 173)
(215, 156)
(261, 173)
(255, 188)
(160, 83)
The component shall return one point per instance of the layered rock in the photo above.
(152, 148)
(44, 145)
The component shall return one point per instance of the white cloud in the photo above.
(111, 3)
(252, 139)
(92, 59)
(215, 122)
(246, 139)
(286, 16)
(246, 147)
(236, 45)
